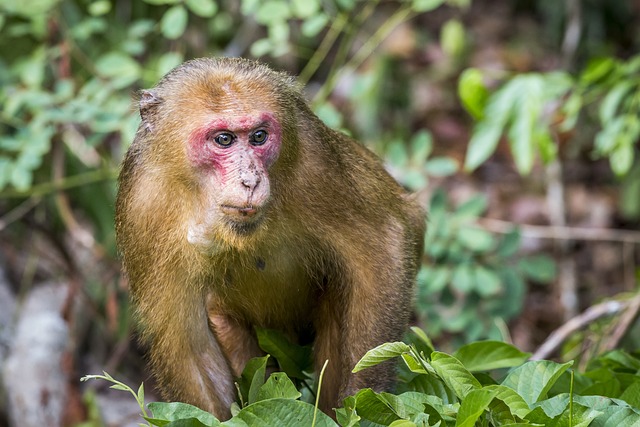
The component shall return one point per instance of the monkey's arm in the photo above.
(185, 356)
(365, 306)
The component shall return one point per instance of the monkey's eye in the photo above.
(259, 137)
(224, 139)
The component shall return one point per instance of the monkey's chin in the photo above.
(244, 228)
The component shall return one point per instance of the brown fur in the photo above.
(335, 256)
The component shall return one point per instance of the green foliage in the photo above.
(473, 389)
(412, 163)
(531, 108)
(518, 109)
(473, 281)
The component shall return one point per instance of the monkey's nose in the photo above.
(250, 180)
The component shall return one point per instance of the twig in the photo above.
(320, 54)
(574, 324)
(402, 14)
(572, 32)
(63, 184)
(561, 233)
(18, 212)
(625, 323)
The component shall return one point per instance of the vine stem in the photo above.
(320, 54)
(404, 13)
(315, 410)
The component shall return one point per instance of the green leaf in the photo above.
(571, 110)
(402, 423)
(140, 394)
(483, 143)
(509, 244)
(452, 38)
(376, 408)
(278, 386)
(441, 166)
(612, 100)
(487, 132)
(273, 11)
(476, 239)
(421, 147)
(433, 279)
(397, 153)
(621, 159)
(454, 374)
(117, 64)
(346, 4)
(473, 406)
(329, 115)
(421, 6)
(527, 108)
(168, 62)
(280, 412)
(101, 7)
(432, 386)
(534, 379)
(347, 416)
(463, 279)
(380, 354)
(161, 2)
(413, 364)
(617, 416)
(174, 22)
(304, 9)
(177, 411)
(261, 47)
(188, 422)
(204, 8)
(514, 402)
(20, 178)
(292, 358)
(312, 26)
(577, 416)
(472, 208)
(488, 281)
(32, 70)
(540, 268)
(472, 92)
(252, 378)
(631, 394)
(598, 69)
(424, 338)
(488, 355)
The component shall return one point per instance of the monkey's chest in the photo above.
(272, 290)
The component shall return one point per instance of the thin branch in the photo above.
(561, 233)
(19, 211)
(320, 54)
(402, 14)
(577, 323)
(627, 320)
(572, 32)
(63, 184)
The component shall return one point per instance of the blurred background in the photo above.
(515, 121)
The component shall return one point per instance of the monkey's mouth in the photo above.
(242, 219)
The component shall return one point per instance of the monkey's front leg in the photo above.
(366, 309)
(185, 356)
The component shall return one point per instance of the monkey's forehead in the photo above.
(217, 93)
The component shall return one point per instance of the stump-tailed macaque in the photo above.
(238, 207)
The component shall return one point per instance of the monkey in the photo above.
(237, 208)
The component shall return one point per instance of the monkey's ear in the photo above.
(149, 102)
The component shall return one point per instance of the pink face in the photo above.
(236, 153)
